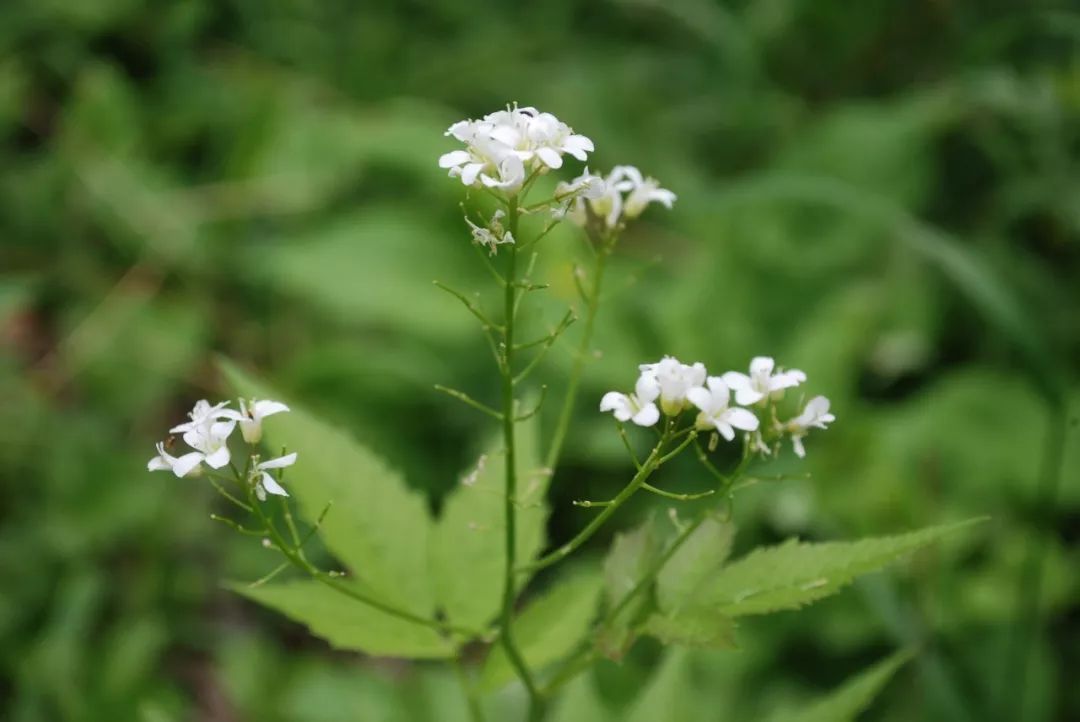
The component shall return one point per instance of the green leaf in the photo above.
(693, 628)
(670, 694)
(549, 628)
(348, 624)
(632, 555)
(847, 702)
(468, 552)
(377, 526)
(795, 574)
(700, 556)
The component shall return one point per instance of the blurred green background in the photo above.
(884, 194)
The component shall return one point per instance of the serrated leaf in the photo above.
(347, 623)
(700, 556)
(795, 574)
(549, 628)
(847, 702)
(377, 526)
(632, 554)
(468, 552)
(692, 628)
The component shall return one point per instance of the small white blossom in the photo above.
(181, 466)
(762, 382)
(625, 196)
(492, 236)
(716, 412)
(504, 147)
(267, 484)
(639, 406)
(202, 415)
(250, 417)
(642, 191)
(675, 379)
(211, 440)
(815, 415)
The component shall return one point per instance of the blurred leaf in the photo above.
(847, 702)
(377, 527)
(693, 628)
(550, 628)
(374, 267)
(693, 563)
(467, 548)
(670, 695)
(580, 702)
(795, 574)
(346, 623)
(632, 554)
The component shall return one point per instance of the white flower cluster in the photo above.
(670, 386)
(503, 148)
(623, 195)
(207, 432)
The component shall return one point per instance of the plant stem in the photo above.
(299, 561)
(592, 304)
(587, 654)
(509, 499)
(647, 468)
(476, 711)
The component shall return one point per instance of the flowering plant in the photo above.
(410, 584)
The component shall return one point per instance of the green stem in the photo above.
(509, 499)
(476, 711)
(647, 468)
(301, 562)
(592, 304)
(586, 655)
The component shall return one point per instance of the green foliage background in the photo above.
(884, 194)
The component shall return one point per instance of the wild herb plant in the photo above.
(419, 586)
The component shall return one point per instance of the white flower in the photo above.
(181, 466)
(638, 406)
(492, 236)
(715, 411)
(202, 415)
(251, 417)
(642, 191)
(762, 382)
(211, 440)
(551, 138)
(815, 415)
(264, 482)
(625, 196)
(504, 147)
(675, 379)
(586, 185)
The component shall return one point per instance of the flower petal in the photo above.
(218, 458)
(279, 463)
(763, 365)
(742, 419)
(648, 415)
(184, 464)
(272, 486)
(454, 158)
(268, 408)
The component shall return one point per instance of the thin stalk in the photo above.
(476, 711)
(650, 464)
(586, 655)
(509, 507)
(592, 304)
(302, 563)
